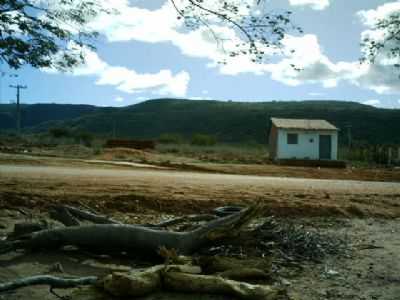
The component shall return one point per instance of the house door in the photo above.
(325, 147)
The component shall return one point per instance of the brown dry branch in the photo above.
(132, 238)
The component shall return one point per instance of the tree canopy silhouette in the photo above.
(45, 33)
(385, 44)
(54, 33)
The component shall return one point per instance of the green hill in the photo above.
(232, 122)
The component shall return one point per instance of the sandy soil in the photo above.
(368, 271)
(364, 213)
(133, 189)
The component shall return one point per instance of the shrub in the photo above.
(84, 137)
(170, 138)
(59, 132)
(203, 140)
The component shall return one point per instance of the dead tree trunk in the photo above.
(131, 238)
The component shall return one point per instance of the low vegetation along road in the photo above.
(136, 189)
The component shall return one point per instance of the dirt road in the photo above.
(168, 190)
(206, 181)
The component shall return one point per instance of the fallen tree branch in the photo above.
(52, 281)
(183, 278)
(62, 215)
(190, 218)
(132, 238)
(86, 215)
(182, 282)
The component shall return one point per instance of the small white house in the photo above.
(303, 139)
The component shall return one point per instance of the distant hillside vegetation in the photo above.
(231, 122)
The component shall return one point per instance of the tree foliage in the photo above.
(387, 44)
(258, 30)
(45, 33)
(54, 33)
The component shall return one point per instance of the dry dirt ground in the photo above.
(34, 182)
(364, 213)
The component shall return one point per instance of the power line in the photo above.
(18, 87)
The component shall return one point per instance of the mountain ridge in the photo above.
(229, 121)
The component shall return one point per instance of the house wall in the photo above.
(304, 149)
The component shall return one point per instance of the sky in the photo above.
(145, 52)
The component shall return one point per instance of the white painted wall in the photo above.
(305, 149)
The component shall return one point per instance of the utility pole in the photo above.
(18, 87)
(349, 135)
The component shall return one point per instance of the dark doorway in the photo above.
(325, 147)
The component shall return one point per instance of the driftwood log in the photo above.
(132, 238)
(52, 281)
(138, 283)
(184, 278)
(183, 275)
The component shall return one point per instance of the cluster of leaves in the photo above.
(45, 33)
(257, 32)
(389, 45)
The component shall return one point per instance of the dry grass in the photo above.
(220, 153)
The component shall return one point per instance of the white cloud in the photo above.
(307, 55)
(373, 102)
(316, 94)
(129, 81)
(381, 76)
(204, 92)
(371, 16)
(314, 4)
(119, 99)
(162, 26)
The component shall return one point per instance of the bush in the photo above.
(170, 138)
(59, 132)
(84, 137)
(203, 140)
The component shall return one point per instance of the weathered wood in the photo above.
(190, 218)
(21, 229)
(177, 281)
(141, 282)
(52, 281)
(86, 215)
(133, 284)
(183, 278)
(62, 215)
(132, 238)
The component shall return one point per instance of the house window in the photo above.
(292, 138)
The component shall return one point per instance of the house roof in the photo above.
(303, 124)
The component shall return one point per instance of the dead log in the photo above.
(131, 238)
(62, 215)
(183, 278)
(190, 218)
(141, 283)
(52, 281)
(24, 228)
(245, 274)
(85, 215)
(177, 281)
